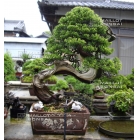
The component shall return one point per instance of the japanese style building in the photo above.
(118, 15)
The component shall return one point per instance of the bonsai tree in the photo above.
(98, 92)
(83, 32)
(32, 67)
(123, 100)
(9, 71)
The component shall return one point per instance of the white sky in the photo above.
(28, 11)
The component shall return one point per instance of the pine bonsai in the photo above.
(82, 32)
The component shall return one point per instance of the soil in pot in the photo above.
(99, 95)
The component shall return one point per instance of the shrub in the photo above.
(61, 84)
(78, 85)
(124, 99)
(32, 67)
(9, 71)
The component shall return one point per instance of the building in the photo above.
(14, 28)
(17, 42)
(118, 15)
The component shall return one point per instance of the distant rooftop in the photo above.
(43, 35)
(14, 25)
(110, 4)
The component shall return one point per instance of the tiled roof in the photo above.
(109, 4)
(11, 25)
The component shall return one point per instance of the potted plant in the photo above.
(18, 68)
(30, 68)
(9, 71)
(78, 36)
(50, 119)
(98, 93)
(120, 103)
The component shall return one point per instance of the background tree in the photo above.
(82, 32)
(48, 33)
(25, 56)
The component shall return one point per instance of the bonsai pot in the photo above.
(31, 91)
(101, 109)
(99, 96)
(127, 116)
(18, 74)
(53, 123)
(121, 129)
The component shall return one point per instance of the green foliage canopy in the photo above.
(82, 31)
(124, 99)
(9, 71)
(32, 67)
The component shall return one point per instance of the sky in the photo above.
(28, 11)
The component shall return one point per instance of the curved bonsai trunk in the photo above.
(61, 67)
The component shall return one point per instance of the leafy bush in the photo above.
(112, 84)
(25, 69)
(9, 71)
(70, 79)
(130, 78)
(32, 67)
(27, 79)
(61, 84)
(52, 78)
(124, 99)
(78, 85)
